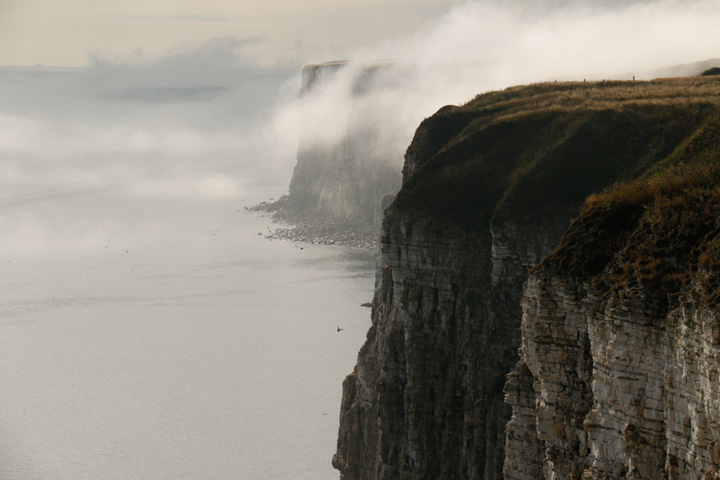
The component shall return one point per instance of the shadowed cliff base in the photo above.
(488, 190)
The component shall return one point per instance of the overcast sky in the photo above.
(272, 32)
(267, 33)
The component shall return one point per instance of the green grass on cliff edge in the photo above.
(526, 153)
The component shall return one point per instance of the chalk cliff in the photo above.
(342, 176)
(488, 190)
(621, 339)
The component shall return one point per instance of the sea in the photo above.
(149, 328)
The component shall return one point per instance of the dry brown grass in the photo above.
(673, 181)
(607, 95)
(660, 234)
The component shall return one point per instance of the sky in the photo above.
(290, 33)
(270, 33)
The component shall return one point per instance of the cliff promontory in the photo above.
(345, 163)
(488, 190)
(342, 175)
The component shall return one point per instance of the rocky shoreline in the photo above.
(302, 227)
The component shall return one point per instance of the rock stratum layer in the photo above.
(621, 339)
(488, 190)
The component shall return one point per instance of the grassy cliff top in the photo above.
(529, 153)
(613, 95)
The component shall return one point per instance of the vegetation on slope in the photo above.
(655, 234)
(528, 152)
(711, 71)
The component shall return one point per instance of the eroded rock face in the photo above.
(621, 338)
(423, 401)
(621, 387)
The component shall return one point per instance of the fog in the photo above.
(178, 128)
(484, 45)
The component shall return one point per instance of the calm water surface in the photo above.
(146, 330)
(208, 352)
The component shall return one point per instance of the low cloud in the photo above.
(162, 94)
(485, 45)
(97, 154)
(176, 18)
(202, 187)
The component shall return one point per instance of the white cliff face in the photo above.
(344, 165)
(621, 387)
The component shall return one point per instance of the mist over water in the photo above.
(147, 330)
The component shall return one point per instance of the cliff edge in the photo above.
(488, 190)
(345, 163)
